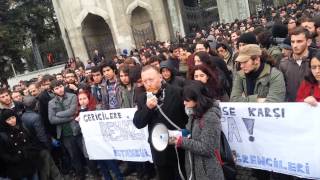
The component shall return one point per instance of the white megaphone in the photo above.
(160, 137)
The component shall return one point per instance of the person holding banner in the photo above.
(257, 81)
(309, 90)
(296, 66)
(62, 111)
(125, 98)
(169, 99)
(87, 103)
(204, 127)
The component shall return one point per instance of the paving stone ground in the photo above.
(242, 174)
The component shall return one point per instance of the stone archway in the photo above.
(142, 26)
(97, 35)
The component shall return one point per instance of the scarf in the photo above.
(251, 79)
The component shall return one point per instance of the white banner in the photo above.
(111, 134)
(279, 137)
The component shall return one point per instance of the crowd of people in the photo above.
(272, 58)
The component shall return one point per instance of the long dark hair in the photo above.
(310, 77)
(213, 80)
(125, 69)
(196, 91)
(205, 58)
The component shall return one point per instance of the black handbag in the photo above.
(225, 158)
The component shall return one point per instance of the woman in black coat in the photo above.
(18, 150)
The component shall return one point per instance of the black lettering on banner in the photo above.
(260, 112)
(119, 115)
(251, 111)
(85, 118)
(276, 113)
(99, 116)
(228, 111)
(92, 117)
(249, 123)
(102, 116)
(266, 112)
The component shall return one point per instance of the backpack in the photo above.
(225, 157)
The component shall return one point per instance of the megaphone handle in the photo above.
(167, 118)
(177, 127)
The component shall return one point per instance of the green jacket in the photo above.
(270, 85)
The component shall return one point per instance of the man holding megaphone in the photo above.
(160, 103)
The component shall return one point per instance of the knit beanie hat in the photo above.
(5, 114)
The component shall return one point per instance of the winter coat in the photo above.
(307, 89)
(19, 151)
(44, 98)
(276, 53)
(105, 94)
(17, 107)
(224, 75)
(269, 84)
(59, 116)
(230, 59)
(205, 138)
(294, 74)
(175, 80)
(126, 99)
(173, 107)
(33, 122)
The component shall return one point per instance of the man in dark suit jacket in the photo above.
(170, 100)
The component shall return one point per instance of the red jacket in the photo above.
(305, 91)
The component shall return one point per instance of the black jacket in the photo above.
(19, 151)
(173, 107)
(33, 122)
(18, 108)
(44, 99)
(175, 80)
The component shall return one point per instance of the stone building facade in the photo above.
(113, 25)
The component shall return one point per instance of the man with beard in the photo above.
(62, 111)
(44, 97)
(71, 82)
(296, 66)
(257, 81)
(34, 89)
(170, 100)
